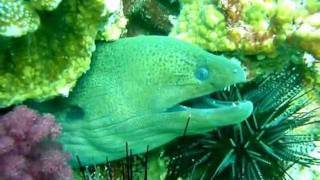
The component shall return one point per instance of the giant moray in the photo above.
(133, 94)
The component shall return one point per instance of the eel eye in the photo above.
(202, 73)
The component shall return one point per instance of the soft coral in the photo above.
(27, 147)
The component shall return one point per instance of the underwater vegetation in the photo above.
(28, 149)
(264, 146)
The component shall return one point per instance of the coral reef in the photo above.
(307, 35)
(48, 62)
(155, 14)
(264, 146)
(265, 35)
(17, 18)
(47, 5)
(115, 24)
(46, 45)
(250, 26)
(27, 147)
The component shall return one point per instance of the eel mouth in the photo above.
(216, 100)
(221, 104)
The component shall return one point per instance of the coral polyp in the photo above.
(264, 146)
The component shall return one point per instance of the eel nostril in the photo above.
(235, 71)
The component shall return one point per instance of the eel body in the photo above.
(132, 94)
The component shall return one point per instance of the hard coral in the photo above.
(115, 25)
(307, 36)
(48, 5)
(17, 18)
(27, 147)
(48, 62)
(155, 14)
(249, 26)
(265, 35)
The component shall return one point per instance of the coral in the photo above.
(264, 146)
(265, 35)
(305, 173)
(209, 27)
(313, 5)
(249, 26)
(307, 36)
(116, 22)
(48, 5)
(17, 18)
(48, 62)
(155, 14)
(27, 147)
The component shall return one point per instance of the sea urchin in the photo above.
(264, 146)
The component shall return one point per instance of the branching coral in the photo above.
(27, 149)
(48, 62)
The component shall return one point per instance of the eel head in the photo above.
(209, 74)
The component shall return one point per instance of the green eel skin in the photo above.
(132, 93)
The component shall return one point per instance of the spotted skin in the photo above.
(132, 93)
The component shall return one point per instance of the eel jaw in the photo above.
(220, 113)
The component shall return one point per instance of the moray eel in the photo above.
(133, 92)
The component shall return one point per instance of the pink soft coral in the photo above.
(27, 147)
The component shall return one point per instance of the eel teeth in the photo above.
(228, 88)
